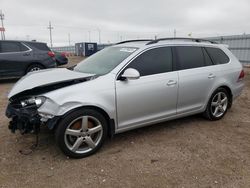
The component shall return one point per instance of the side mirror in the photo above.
(130, 74)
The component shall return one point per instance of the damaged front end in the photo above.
(26, 97)
(24, 115)
(23, 105)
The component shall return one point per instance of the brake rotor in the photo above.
(77, 125)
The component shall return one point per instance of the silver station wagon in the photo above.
(123, 87)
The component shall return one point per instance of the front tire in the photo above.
(81, 133)
(217, 105)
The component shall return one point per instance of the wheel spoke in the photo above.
(90, 142)
(95, 129)
(219, 97)
(77, 144)
(214, 104)
(73, 132)
(216, 111)
(84, 123)
(223, 101)
(222, 110)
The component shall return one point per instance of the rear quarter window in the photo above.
(24, 48)
(217, 55)
(40, 46)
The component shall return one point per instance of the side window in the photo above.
(154, 61)
(10, 47)
(218, 56)
(189, 57)
(39, 46)
(207, 58)
(24, 48)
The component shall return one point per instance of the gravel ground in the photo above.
(189, 152)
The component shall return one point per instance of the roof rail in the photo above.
(191, 39)
(139, 40)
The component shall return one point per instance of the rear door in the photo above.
(196, 77)
(151, 97)
(14, 57)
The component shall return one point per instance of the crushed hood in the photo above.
(46, 79)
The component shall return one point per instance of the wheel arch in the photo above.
(228, 89)
(111, 122)
(33, 63)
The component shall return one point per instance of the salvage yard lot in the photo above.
(188, 152)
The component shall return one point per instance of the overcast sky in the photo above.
(117, 20)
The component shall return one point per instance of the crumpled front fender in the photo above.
(51, 109)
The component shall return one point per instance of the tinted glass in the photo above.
(9, 47)
(208, 60)
(153, 61)
(218, 56)
(105, 60)
(40, 46)
(24, 48)
(189, 57)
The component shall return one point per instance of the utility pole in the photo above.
(2, 28)
(50, 34)
(174, 33)
(69, 38)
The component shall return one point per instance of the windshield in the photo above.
(105, 60)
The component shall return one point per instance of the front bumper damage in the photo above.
(27, 119)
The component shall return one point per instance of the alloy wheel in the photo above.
(83, 134)
(219, 104)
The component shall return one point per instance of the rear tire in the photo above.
(218, 105)
(81, 133)
(34, 67)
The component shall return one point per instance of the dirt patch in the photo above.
(189, 152)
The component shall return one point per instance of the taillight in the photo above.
(242, 75)
(51, 54)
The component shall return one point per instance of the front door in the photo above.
(153, 96)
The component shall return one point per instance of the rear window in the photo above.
(40, 46)
(189, 57)
(217, 55)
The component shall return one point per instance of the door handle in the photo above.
(211, 76)
(171, 82)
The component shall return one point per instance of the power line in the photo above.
(2, 28)
(50, 34)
